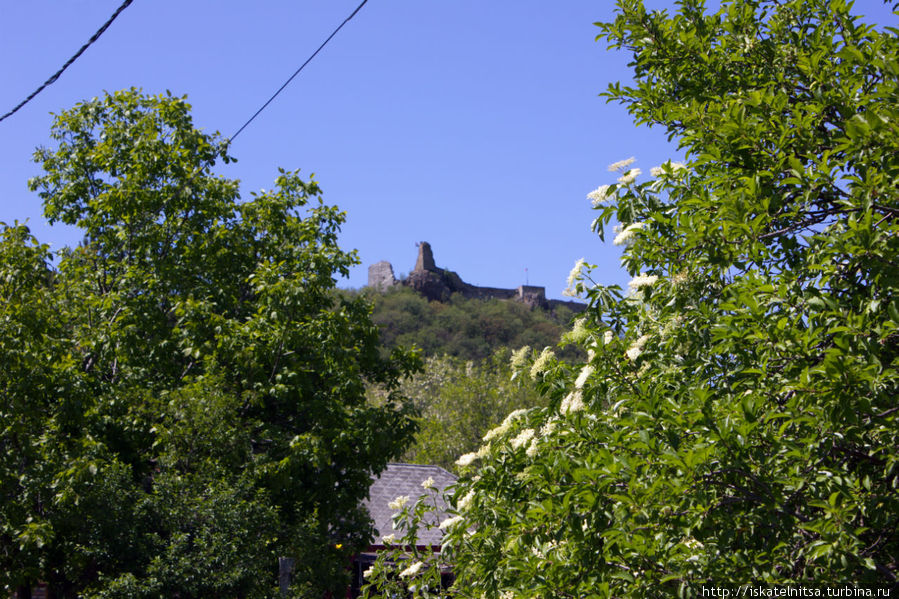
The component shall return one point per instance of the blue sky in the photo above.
(475, 125)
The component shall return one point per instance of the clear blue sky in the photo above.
(472, 124)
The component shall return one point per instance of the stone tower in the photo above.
(425, 259)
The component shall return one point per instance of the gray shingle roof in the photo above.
(406, 479)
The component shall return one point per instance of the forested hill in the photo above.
(471, 329)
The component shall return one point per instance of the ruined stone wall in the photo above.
(380, 275)
(438, 284)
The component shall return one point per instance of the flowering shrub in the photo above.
(735, 420)
(404, 567)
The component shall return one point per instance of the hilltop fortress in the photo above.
(437, 284)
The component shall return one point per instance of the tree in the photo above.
(736, 419)
(183, 395)
(458, 401)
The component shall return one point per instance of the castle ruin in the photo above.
(438, 284)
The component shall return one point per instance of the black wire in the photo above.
(56, 75)
(297, 72)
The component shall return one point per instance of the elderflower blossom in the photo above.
(549, 427)
(369, 572)
(641, 281)
(389, 539)
(573, 276)
(483, 450)
(519, 357)
(498, 431)
(467, 459)
(523, 438)
(629, 177)
(583, 376)
(450, 522)
(542, 362)
(503, 428)
(399, 502)
(464, 503)
(667, 168)
(578, 333)
(692, 543)
(573, 402)
(428, 483)
(680, 279)
(532, 449)
(625, 237)
(607, 337)
(621, 164)
(600, 195)
(412, 570)
(636, 349)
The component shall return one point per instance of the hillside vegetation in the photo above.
(470, 329)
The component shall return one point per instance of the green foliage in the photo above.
(458, 402)
(403, 566)
(470, 329)
(735, 421)
(183, 397)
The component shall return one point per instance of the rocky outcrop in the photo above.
(438, 284)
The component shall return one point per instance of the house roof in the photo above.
(406, 479)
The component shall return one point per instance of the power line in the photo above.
(297, 72)
(56, 75)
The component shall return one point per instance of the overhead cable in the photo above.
(297, 72)
(68, 63)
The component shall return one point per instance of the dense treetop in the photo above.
(183, 395)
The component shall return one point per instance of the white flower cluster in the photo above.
(464, 503)
(641, 281)
(629, 177)
(607, 337)
(523, 438)
(450, 522)
(428, 483)
(600, 195)
(636, 349)
(573, 276)
(412, 570)
(519, 357)
(389, 539)
(579, 333)
(573, 402)
(399, 502)
(692, 543)
(621, 164)
(503, 428)
(666, 168)
(467, 459)
(626, 236)
(548, 428)
(542, 362)
(586, 371)
(531, 451)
